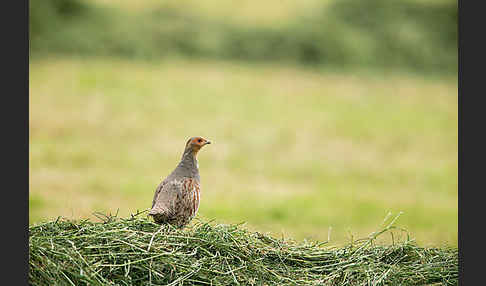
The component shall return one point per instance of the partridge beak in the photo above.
(208, 142)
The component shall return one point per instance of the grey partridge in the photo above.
(176, 199)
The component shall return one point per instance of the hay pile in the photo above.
(136, 251)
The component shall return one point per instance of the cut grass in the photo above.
(136, 251)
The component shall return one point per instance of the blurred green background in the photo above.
(322, 113)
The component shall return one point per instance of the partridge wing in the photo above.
(165, 195)
(157, 191)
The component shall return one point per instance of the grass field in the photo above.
(295, 151)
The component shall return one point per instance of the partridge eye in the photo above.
(199, 140)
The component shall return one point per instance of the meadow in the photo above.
(297, 152)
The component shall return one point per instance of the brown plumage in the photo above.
(176, 199)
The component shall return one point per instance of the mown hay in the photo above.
(136, 251)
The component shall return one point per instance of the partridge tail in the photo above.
(154, 212)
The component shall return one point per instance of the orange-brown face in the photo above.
(196, 143)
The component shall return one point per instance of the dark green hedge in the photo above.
(397, 34)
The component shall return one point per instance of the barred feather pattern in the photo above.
(192, 188)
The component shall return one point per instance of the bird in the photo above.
(176, 198)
